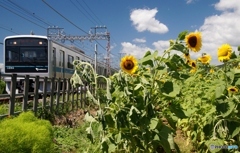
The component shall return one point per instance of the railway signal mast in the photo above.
(58, 34)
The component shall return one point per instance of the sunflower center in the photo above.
(192, 41)
(128, 64)
(232, 89)
(193, 64)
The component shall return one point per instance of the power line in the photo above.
(22, 17)
(64, 17)
(82, 11)
(69, 21)
(31, 13)
(92, 11)
(10, 30)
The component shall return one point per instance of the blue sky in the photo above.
(135, 26)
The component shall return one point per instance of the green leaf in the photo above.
(225, 108)
(170, 89)
(89, 118)
(147, 60)
(109, 120)
(90, 134)
(233, 55)
(182, 35)
(166, 138)
(89, 95)
(230, 75)
(178, 47)
(177, 110)
(138, 86)
(219, 91)
(153, 123)
(144, 80)
(213, 144)
(147, 53)
(234, 129)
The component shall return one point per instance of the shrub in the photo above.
(26, 133)
(2, 87)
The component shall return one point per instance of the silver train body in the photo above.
(36, 55)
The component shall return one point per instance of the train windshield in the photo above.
(26, 55)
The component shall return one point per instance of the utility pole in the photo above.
(95, 64)
(57, 33)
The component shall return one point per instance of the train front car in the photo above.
(25, 55)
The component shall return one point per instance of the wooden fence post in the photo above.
(12, 94)
(52, 94)
(58, 95)
(35, 101)
(81, 95)
(72, 102)
(63, 94)
(77, 101)
(68, 90)
(44, 92)
(25, 93)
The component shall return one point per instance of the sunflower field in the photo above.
(200, 99)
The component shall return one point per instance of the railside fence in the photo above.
(57, 95)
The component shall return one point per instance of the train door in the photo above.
(54, 61)
(62, 63)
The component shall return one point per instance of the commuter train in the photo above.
(36, 55)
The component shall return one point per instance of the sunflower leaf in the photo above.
(182, 35)
(147, 60)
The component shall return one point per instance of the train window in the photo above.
(77, 58)
(70, 61)
(12, 56)
(61, 61)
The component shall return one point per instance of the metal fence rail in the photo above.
(62, 94)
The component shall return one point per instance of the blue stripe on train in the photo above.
(68, 71)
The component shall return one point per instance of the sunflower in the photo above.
(211, 71)
(205, 59)
(193, 70)
(129, 64)
(232, 89)
(224, 52)
(192, 63)
(194, 41)
(187, 56)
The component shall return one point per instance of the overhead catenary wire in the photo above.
(70, 21)
(94, 22)
(31, 13)
(10, 30)
(22, 16)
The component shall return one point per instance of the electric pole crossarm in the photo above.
(56, 33)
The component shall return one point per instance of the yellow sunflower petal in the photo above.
(129, 64)
(194, 41)
(232, 89)
(205, 59)
(224, 52)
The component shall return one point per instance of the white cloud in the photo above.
(139, 40)
(135, 50)
(139, 50)
(144, 20)
(220, 29)
(189, 1)
(161, 45)
(113, 46)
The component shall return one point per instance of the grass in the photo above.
(74, 140)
